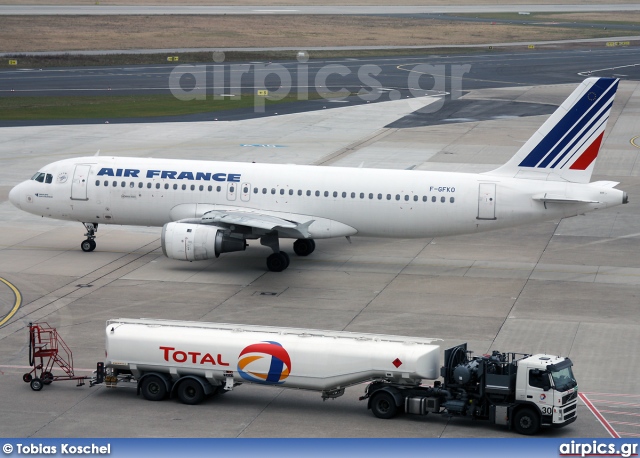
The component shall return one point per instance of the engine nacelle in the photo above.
(197, 242)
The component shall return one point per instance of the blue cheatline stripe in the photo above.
(575, 130)
(569, 120)
(573, 149)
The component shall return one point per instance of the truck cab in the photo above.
(546, 382)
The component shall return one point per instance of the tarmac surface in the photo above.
(50, 10)
(390, 78)
(567, 287)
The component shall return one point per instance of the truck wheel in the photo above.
(36, 384)
(153, 388)
(190, 392)
(383, 405)
(526, 422)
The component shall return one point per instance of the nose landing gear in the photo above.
(89, 244)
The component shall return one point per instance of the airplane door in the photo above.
(79, 182)
(232, 190)
(487, 201)
(245, 192)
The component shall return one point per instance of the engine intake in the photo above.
(196, 242)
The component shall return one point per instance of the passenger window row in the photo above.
(282, 192)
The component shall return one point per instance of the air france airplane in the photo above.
(208, 208)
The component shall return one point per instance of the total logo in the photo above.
(264, 362)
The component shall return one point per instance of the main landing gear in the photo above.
(304, 247)
(89, 244)
(279, 260)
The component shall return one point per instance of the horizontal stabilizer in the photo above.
(560, 199)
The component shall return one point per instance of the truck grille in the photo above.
(570, 411)
(569, 397)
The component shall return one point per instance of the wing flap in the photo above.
(258, 221)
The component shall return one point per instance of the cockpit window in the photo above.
(39, 177)
(49, 178)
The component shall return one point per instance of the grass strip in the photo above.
(114, 107)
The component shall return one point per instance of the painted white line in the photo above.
(603, 421)
(31, 367)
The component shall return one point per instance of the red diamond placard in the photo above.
(397, 362)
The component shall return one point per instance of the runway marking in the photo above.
(16, 305)
(590, 72)
(633, 141)
(31, 367)
(603, 421)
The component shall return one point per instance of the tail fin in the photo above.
(565, 147)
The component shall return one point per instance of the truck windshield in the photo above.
(563, 379)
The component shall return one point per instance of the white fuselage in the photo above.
(341, 201)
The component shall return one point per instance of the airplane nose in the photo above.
(14, 196)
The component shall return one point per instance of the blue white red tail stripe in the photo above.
(587, 109)
(565, 147)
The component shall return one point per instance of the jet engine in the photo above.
(197, 242)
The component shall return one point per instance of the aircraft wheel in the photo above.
(286, 258)
(277, 262)
(304, 247)
(88, 245)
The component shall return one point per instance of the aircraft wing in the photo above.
(259, 222)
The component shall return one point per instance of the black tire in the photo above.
(47, 378)
(27, 378)
(276, 262)
(526, 422)
(153, 388)
(190, 392)
(86, 246)
(36, 384)
(383, 405)
(286, 258)
(93, 244)
(304, 247)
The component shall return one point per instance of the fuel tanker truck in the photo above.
(193, 360)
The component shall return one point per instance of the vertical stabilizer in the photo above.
(565, 147)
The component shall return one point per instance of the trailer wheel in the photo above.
(526, 422)
(36, 384)
(383, 405)
(153, 388)
(26, 378)
(47, 378)
(190, 392)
